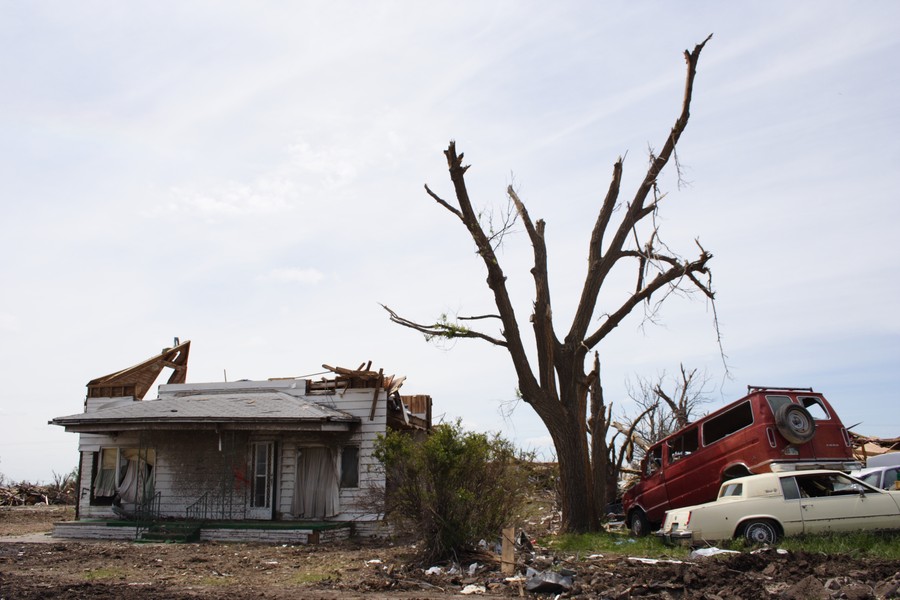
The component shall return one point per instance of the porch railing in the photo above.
(146, 514)
(218, 507)
(199, 509)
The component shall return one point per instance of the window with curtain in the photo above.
(316, 491)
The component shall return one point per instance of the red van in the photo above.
(770, 429)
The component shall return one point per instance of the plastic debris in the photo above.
(653, 561)
(704, 552)
(473, 589)
(548, 582)
(433, 571)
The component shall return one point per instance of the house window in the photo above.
(106, 467)
(261, 484)
(122, 475)
(350, 466)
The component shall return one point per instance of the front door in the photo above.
(262, 473)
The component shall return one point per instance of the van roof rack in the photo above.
(758, 388)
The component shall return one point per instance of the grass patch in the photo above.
(857, 544)
(309, 577)
(104, 573)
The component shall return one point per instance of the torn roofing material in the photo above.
(137, 380)
(269, 409)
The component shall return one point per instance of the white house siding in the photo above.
(353, 501)
(356, 503)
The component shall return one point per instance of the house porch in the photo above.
(268, 532)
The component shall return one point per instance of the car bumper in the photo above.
(676, 538)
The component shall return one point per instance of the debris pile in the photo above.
(29, 494)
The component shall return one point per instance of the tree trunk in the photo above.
(575, 476)
(576, 482)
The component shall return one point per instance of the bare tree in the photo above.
(667, 403)
(557, 388)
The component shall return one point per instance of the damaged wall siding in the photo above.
(88, 444)
(352, 500)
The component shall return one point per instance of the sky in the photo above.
(249, 176)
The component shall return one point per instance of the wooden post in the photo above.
(379, 383)
(508, 551)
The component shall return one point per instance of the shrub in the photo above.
(453, 488)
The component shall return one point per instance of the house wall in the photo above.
(355, 503)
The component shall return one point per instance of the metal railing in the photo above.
(210, 506)
(199, 509)
(146, 514)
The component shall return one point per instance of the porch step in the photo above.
(174, 533)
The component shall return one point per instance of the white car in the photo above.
(763, 508)
(886, 478)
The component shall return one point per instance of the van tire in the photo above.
(795, 423)
(638, 523)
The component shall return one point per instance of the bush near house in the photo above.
(453, 488)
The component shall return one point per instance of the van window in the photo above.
(683, 445)
(815, 407)
(727, 423)
(653, 461)
(776, 402)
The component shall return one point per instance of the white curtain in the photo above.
(128, 490)
(105, 481)
(316, 493)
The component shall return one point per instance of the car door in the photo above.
(833, 502)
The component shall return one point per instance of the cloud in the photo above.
(308, 276)
(268, 195)
(9, 323)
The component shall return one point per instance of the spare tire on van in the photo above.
(795, 423)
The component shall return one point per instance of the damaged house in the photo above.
(281, 459)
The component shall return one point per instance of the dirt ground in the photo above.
(38, 566)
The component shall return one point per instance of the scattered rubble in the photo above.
(29, 494)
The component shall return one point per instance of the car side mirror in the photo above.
(858, 489)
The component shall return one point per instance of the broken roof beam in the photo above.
(137, 380)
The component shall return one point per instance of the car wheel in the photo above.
(638, 523)
(760, 532)
(795, 423)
